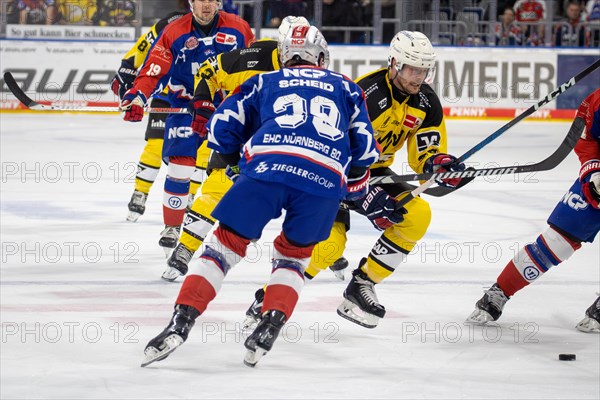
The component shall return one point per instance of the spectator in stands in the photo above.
(37, 12)
(12, 11)
(115, 13)
(388, 8)
(592, 34)
(76, 12)
(568, 31)
(340, 13)
(530, 14)
(508, 32)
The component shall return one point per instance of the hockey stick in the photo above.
(35, 106)
(548, 163)
(547, 99)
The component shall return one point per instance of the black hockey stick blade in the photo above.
(17, 92)
(28, 102)
(548, 163)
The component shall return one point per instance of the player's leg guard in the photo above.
(200, 221)
(281, 296)
(327, 252)
(223, 251)
(199, 175)
(532, 261)
(147, 171)
(149, 165)
(177, 186)
(196, 224)
(390, 250)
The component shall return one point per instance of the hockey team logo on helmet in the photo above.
(286, 24)
(304, 43)
(414, 49)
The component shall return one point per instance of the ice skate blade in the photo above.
(168, 251)
(346, 310)
(153, 354)
(133, 216)
(339, 274)
(479, 317)
(588, 325)
(171, 274)
(249, 324)
(253, 356)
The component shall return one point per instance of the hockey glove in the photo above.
(133, 104)
(232, 172)
(381, 209)
(358, 184)
(442, 162)
(589, 176)
(201, 111)
(123, 79)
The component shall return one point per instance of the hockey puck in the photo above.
(567, 357)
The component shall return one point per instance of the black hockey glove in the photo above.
(381, 209)
(123, 79)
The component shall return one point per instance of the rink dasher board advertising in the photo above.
(471, 82)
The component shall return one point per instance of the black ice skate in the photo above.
(137, 205)
(168, 238)
(177, 263)
(173, 336)
(360, 293)
(591, 321)
(260, 342)
(338, 268)
(489, 307)
(253, 314)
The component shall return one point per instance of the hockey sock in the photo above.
(205, 276)
(383, 259)
(198, 177)
(177, 186)
(550, 248)
(149, 165)
(287, 279)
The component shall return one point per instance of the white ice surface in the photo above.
(81, 292)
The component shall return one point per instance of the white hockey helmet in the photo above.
(289, 22)
(414, 49)
(304, 43)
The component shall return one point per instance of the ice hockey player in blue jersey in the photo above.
(307, 143)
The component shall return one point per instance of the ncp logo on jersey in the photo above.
(183, 132)
(574, 201)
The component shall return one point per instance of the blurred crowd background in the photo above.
(561, 23)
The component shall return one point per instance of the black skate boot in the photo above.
(338, 268)
(253, 314)
(360, 293)
(489, 307)
(260, 342)
(168, 238)
(172, 336)
(137, 205)
(177, 263)
(591, 321)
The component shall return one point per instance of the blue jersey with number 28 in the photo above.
(301, 126)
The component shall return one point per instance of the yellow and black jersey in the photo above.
(137, 54)
(229, 70)
(397, 118)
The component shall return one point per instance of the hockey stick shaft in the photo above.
(549, 162)
(547, 99)
(31, 104)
